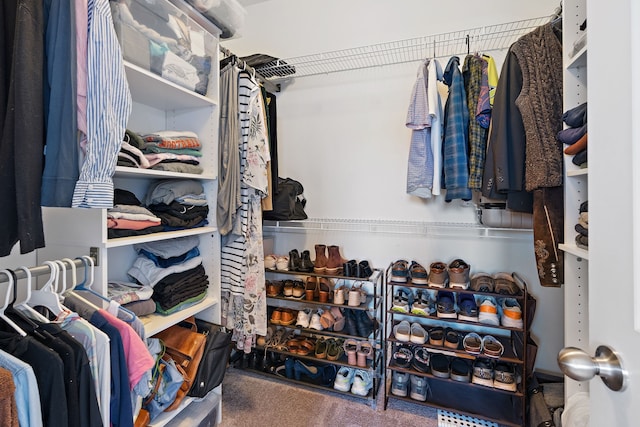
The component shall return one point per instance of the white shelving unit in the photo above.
(576, 184)
(158, 104)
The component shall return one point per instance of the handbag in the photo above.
(167, 381)
(214, 361)
(185, 346)
(288, 202)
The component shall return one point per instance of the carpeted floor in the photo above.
(250, 399)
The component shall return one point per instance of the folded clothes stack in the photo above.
(179, 203)
(129, 218)
(575, 135)
(582, 227)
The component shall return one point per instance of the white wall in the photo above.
(343, 136)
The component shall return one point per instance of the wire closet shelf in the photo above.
(481, 39)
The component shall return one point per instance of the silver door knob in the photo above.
(578, 365)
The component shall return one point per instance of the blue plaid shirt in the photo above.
(456, 125)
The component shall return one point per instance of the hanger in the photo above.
(88, 262)
(6, 303)
(45, 296)
(33, 327)
(74, 278)
(24, 306)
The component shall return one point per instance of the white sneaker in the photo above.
(282, 263)
(511, 313)
(344, 379)
(488, 311)
(362, 382)
(303, 318)
(270, 261)
(314, 323)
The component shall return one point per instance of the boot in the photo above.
(306, 265)
(335, 261)
(294, 260)
(320, 264)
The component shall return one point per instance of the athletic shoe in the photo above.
(459, 274)
(402, 301)
(282, 263)
(400, 384)
(438, 276)
(423, 304)
(505, 284)
(418, 274)
(421, 359)
(467, 308)
(400, 271)
(419, 388)
(303, 318)
(445, 305)
(344, 379)
(511, 313)
(314, 323)
(362, 382)
(488, 311)
(482, 282)
(270, 261)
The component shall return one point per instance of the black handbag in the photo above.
(288, 202)
(214, 360)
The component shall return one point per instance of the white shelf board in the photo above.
(127, 172)
(154, 323)
(154, 237)
(579, 60)
(578, 172)
(150, 89)
(574, 250)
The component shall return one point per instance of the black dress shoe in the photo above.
(364, 270)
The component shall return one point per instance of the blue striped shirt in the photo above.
(108, 108)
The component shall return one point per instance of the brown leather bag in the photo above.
(185, 346)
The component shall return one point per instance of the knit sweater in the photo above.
(539, 54)
(8, 409)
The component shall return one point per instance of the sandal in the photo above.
(451, 339)
(311, 288)
(491, 347)
(334, 349)
(472, 343)
(339, 293)
(351, 347)
(339, 319)
(364, 352)
(321, 348)
(324, 285)
(355, 295)
(327, 320)
(436, 336)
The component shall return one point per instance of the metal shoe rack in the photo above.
(466, 398)
(277, 354)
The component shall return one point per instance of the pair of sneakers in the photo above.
(455, 275)
(358, 381)
(415, 386)
(421, 302)
(505, 311)
(465, 308)
(403, 272)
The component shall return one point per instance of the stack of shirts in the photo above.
(575, 136)
(179, 203)
(173, 268)
(129, 218)
(132, 296)
(582, 227)
(172, 151)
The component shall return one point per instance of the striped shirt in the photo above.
(108, 108)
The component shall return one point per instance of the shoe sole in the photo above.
(504, 386)
(459, 285)
(481, 381)
(419, 397)
(419, 281)
(342, 388)
(468, 318)
(447, 315)
(396, 392)
(438, 285)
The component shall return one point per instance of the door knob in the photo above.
(578, 365)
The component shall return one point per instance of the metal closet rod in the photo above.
(270, 86)
(41, 270)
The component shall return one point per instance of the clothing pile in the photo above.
(575, 136)
(173, 269)
(173, 151)
(179, 203)
(132, 296)
(129, 218)
(582, 227)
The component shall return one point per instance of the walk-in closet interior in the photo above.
(417, 270)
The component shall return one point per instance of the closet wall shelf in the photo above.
(151, 89)
(578, 172)
(574, 250)
(579, 60)
(154, 237)
(481, 39)
(129, 172)
(398, 227)
(154, 323)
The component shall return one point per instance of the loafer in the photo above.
(460, 370)
(439, 365)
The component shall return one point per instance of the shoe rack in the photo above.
(290, 348)
(444, 368)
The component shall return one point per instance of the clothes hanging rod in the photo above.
(42, 270)
(481, 39)
(268, 85)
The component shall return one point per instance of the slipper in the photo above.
(402, 331)
(339, 319)
(436, 336)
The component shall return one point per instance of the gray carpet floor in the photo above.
(250, 399)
